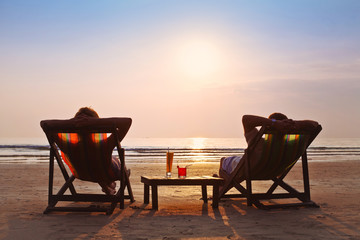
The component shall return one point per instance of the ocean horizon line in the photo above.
(187, 150)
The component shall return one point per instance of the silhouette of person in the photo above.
(277, 121)
(107, 187)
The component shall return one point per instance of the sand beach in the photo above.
(335, 186)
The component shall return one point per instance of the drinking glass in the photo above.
(169, 161)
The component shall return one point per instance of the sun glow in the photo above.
(199, 59)
(198, 143)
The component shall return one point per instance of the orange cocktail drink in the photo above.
(169, 162)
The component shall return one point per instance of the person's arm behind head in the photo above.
(306, 125)
(251, 121)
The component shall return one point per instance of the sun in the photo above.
(198, 59)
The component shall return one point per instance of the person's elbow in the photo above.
(245, 118)
(308, 125)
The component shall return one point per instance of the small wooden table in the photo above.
(203, 181)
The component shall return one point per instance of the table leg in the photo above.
(215, 200)
(204, 193)
(146, 193)
(154, 197)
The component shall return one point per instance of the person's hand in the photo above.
(284, 125)
(289, 124)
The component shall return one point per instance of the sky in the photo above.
(186, 68)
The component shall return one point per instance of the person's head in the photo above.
(87, 111)
(278, 116)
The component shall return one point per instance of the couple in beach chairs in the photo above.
(86, 143)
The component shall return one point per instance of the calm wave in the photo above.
(186, 150)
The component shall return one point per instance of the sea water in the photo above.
(186, 150)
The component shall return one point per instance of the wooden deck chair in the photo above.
(280, 152)
(86, 146)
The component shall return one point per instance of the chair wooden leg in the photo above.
(51, 177)
(305, 176)
(128, 186)
(249, 192)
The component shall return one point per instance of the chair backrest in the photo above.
(280, 151)
(86, 144)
